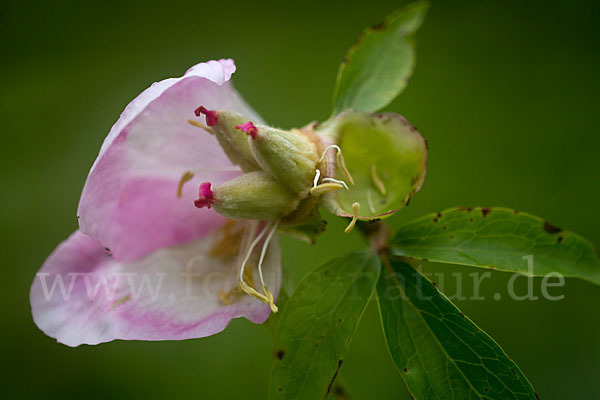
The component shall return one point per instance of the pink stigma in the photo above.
(211, 116)
(206, 196)
(249, 128)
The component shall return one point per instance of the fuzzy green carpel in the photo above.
(254, 195)
(233, 141)
(287, 156)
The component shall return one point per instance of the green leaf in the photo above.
(273, 322)
(498, 238)
(377, 68)
(317, 325)
(440, 353)
(386, 157)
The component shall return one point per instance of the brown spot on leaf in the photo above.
(439, 215)
(516, 212)
(485, 389)
(339, 392)
(462, 314)
(551, 229)
(467, 209)
(337, 370)
(378, 27)
(451, 237)
(435, 220)
(280, 353)
(444, 227)
(513, 371)
(559, 239)
(471, 220)
(359, 39)
(537, 396)
(405, 370)
(424, 259)
(485, 212)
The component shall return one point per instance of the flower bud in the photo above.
(254, 195)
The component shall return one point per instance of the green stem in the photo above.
(377, 233)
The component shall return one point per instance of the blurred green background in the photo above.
(507, 94)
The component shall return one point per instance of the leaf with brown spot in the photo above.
(337, 371)
(439, 352)
(377, 67)
(551, 229)
(501, 239)
(338, 290)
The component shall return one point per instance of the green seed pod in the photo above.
(290, 157)
(254, 195)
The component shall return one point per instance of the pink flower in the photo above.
(146, 263)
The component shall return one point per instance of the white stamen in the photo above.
(317, 175)
(341, 164)
(264, 251)
(336, 181)
(332, 146)
(250, 249)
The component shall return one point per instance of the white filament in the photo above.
(264, 251)
(331, 146)
(336, 181)
(250, 249)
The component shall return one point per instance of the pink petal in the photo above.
(129, 201)
(154, 298)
